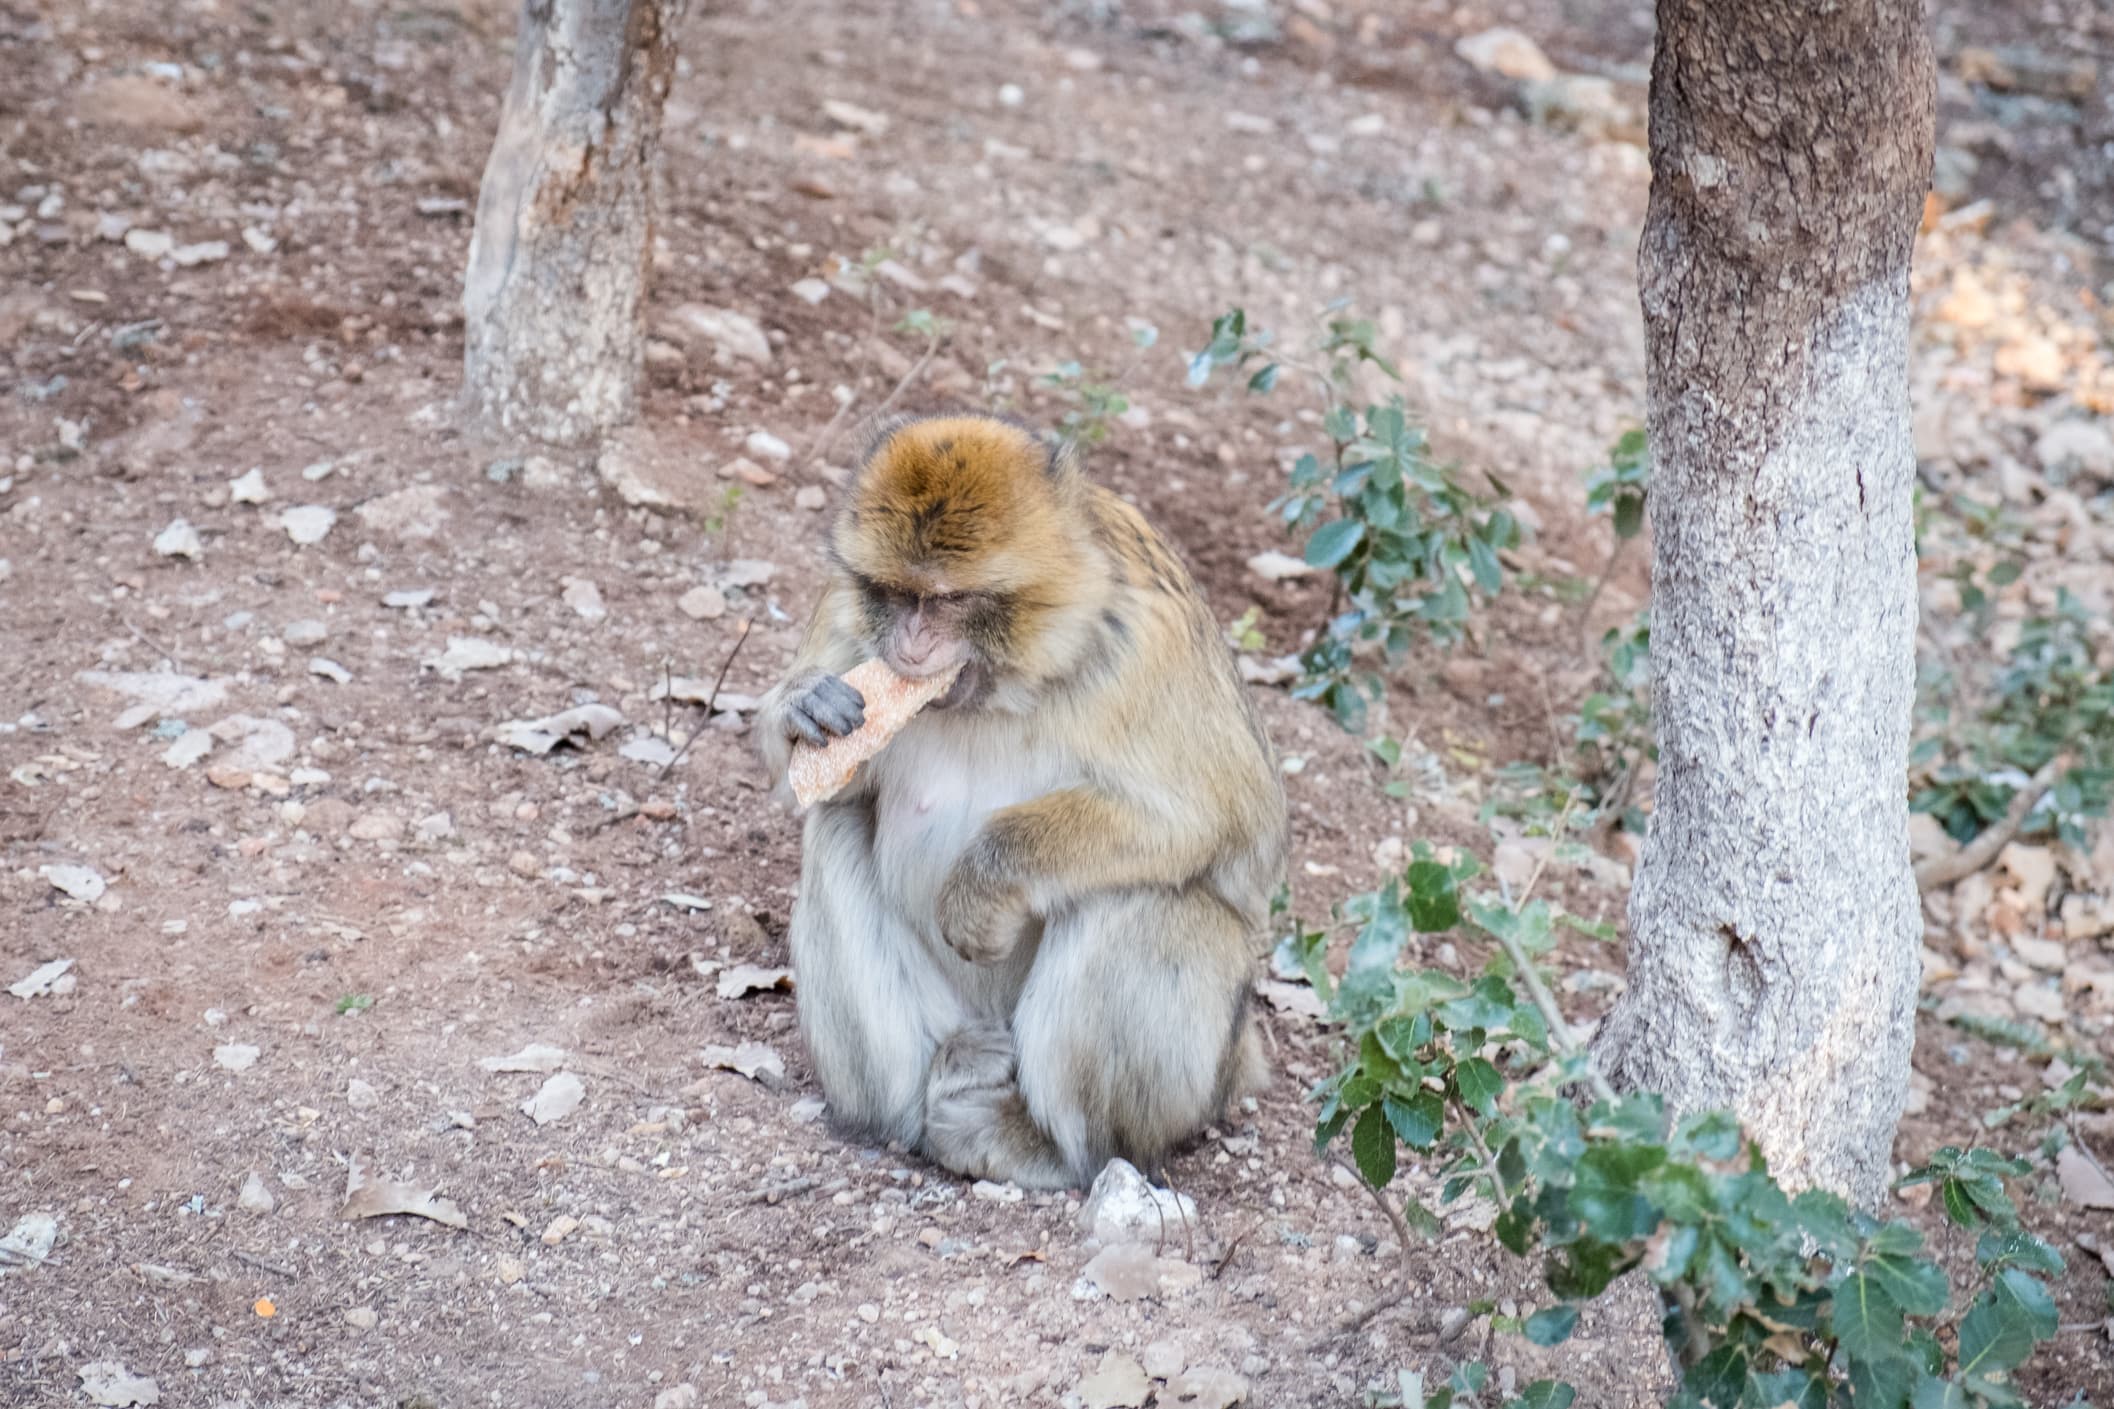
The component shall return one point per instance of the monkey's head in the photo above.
(966, 542)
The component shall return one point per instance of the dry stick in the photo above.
(1585, 613)
(1944, 870)
(746, 626)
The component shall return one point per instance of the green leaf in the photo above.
(2017, 1248)
(1719, 1378)
(1711, 1135)
(1933, 1393)
(1605, 1196)
(1917, 1286)
(1867, 1321)
(1479, 1084)
(1584, 1269)
(1434, 897)
(1881, 1384)
(1264, 380)
(1416, 1120)
(1544, 1394)
(1790, 1389)
(1629, 515)
(1333, 542)
(1552, 1325)
(1482, 561)
(1373, 1146)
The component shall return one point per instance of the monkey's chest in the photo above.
(930, 804)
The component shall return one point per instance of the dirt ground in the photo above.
(231, 239)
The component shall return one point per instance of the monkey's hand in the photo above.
(982, 911)
(821, 708)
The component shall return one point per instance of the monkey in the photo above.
(1024, 935)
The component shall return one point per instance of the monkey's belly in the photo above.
(932, 799)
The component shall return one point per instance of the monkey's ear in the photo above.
(879, 432)
(1065, 461)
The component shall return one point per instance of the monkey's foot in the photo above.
(976, 1123)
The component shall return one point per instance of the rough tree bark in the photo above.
(564, 236)
(1773, 961)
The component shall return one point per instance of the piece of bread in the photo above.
(892, 700)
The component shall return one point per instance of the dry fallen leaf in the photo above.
(556, 1099)
(752, 1059)
(543, 735)
(264, 1307)
(109, 1383)
(369, 1197)
(537, 1057)
(740, 980)
(2084, 1182)
(1118, 1382)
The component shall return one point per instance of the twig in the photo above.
(174, 659)
(1585, 612)
(932, 345)
(1218, 1269)
(746, 626)
(1403, 1238)
(262, 1265)
(1944, 870)
(1544, 1001)
(772, 1193)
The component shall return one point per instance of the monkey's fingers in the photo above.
(837, 704)
(800, 726)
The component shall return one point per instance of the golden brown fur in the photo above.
(1025, 933)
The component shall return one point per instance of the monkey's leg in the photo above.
(1134, 1030)
(976, 1122)
(872, 999)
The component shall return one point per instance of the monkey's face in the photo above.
(957, 538)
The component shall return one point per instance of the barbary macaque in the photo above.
(1025, 932)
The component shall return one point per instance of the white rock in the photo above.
(83, 883)
(539, 1057)
(249, 488)
(149, 244)
(855, 117)
(702, 603)
(409, 598)
(469, 653)
(1506, 52)
(1124, 1206)
(584, 598)
(361, 1095)
(812, 497)
(558, 1098)
(306, 632)
(109, 1383)
(258, 239)
(307, 524)
(1274, 566)
(205, 252)
(362, 1318)
(416, 511)
(731, 334)
(749, 572)
(235, 1056)
(178, 540)
(810, 290)
(30, 1240)
(329, 669)
(41, 980)
(254, 1197)
(766, 446)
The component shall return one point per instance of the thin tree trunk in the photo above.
(1773, 962)
(564, 237)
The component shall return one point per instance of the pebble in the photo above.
(329, 669)
(2076, 447)
(306, 632)
(1124, 1206)
(362, 1318)
(235, 1056)
(584, 598)
(766, 446)
(559, 1229)
(812, 497)
(178, 540)
(307, 524)
(254, 1197)
(810, 290)
(361, 1096)
(248, 488)
(748, 472)
(702, 603)
(1507, 53)
(525, 865)
(377, 825)
(149, 244)
(731, 334)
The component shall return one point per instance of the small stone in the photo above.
(855, 117)
(559, 1229)
(748, 472)
(1506, 52)
(731, 334)
(417, 511)
(1206, 1387)
(1124, 1206)
(409, 598)
(149, 244)
(702, 603)
(307, 524)
(362, 1318)
(377, 825)
(812, 497)
(749, 572)
(178, 540)
(259, 240)
(559, 1096)
(810, 290)
(525, 865)
(2035, 361)
(766, 446)
(304, 633)
(678, 1397)
(510, 1270)
(1118, 1382)
(109, 1383)
(248, 488)
(361, 1096)
(254, 1197)
(82, 883)
(329, 669)
(584, 598)
(1273, 566)
(205, 252)
(1163, 1360)
(235, 1056)
(997, 1193)
(2038, 1000)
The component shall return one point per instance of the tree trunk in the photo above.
(564, 237)
(1773, 962)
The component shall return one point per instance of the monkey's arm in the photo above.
(829, 648)
(1032, 857)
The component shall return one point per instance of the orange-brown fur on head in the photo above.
(984, 521)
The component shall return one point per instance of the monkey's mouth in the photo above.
(966, 687)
